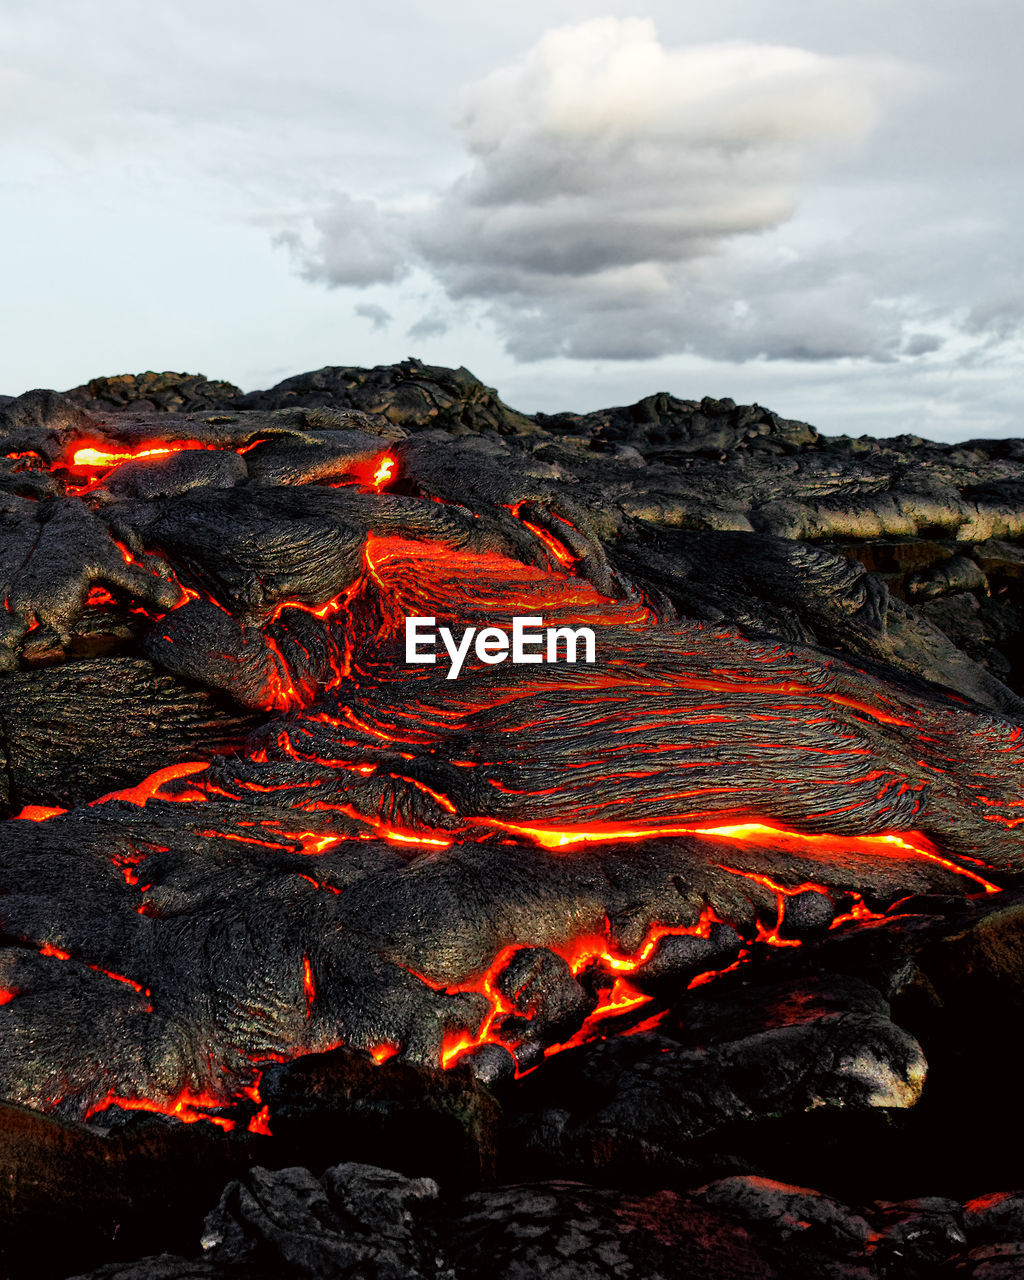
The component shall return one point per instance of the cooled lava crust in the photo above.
(485, 869)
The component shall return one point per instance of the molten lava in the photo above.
(745, 773)
(187, 1106)
(89, 458)
(98, 462)
(383, 474)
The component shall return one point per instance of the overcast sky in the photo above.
(812, 204)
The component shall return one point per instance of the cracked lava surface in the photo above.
(485, 870)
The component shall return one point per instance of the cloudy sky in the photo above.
(811, 204)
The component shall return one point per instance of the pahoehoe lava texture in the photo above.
(768, 744)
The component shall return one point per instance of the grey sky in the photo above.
(811, 204)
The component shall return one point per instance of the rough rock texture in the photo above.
(411, 395)
(358, 1220)
(166, 392)
(936, 523)
(76, 730)
(712, 945)
(648, 1103)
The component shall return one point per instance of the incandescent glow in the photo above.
(97, 462)
(778, 774)
(188, 1106)
(152, 788)
(260, 1123)
(37, 813)
(384, 473)
(82, 459)
(375, 474)
(890, 844)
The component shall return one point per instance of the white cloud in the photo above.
(596, 189)
(608, 176)
(354, 243)
(611, 79)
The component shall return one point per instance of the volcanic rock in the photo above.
(73, 731)
(166, 392)
(994, 1217)
(820, 1223)
(411, 395)
(307, 622)
(666, 428)
(651, 1104)
(72, 1195)
(719, 896)
(918, 1235)
(405, 1117)
(362, 1220)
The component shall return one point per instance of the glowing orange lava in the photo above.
(616, 997)
(188, 1106)
(375, 475)
(260, 1123)
(37, 813)
(369, 792)
(98, 461)
(383, 473)
(151, 788)
(913, 843)
(88, 458)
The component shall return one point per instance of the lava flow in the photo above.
(92, 464)
(486, 870)
(96, 463)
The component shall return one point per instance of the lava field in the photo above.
(700, 957)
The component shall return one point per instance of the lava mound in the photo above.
(250, 823)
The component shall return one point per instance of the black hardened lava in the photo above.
(249, 828)
(485, 867)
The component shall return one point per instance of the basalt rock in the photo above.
(73, 1197)
(691, 790)
(360, 1220)
(78, 729)
(166, 392)
(411, 395)
(730, 745)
